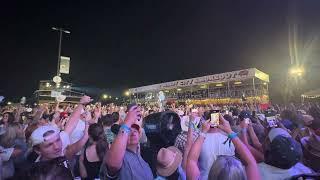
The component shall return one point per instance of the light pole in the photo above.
(60, 39)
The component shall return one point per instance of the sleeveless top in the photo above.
(91, 167)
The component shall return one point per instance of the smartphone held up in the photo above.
(214, 118)
(271, 121)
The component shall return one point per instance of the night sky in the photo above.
(118, 44)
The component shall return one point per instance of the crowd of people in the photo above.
(94, 141)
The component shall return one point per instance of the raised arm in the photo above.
(245, 155)
(75, 116)
(56, 109)
(258, 156)
(193, 171)
(254, 138)
(74, 148)
(188, 144)
(115, 154)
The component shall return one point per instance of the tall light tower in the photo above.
(60, 30)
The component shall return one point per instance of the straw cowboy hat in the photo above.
(168, 160)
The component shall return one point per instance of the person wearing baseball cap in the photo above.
(49, 142)
(311, 143)
(123, 160)
(282, 157)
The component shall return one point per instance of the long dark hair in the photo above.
(10, 118)
(96, 133)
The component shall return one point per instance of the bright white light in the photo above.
(57, 79)
(127, 93)
(9, 103)
(179, 89)
(296, 71)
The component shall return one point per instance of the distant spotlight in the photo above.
(127, 93)
(104, 96)
(265, 83)
(110, 97)
(166, 91)
(48, 84)
(9, 103)
(296, 71)
(117, 98)
(238, 82)
(179, 89)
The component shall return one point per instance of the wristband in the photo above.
(232, 135)
(125, 128)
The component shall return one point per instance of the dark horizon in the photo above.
(118, 45)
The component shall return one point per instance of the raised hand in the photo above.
(243, 124)
(205, 126)
(224, 125)
(132, 115)
(85, 100)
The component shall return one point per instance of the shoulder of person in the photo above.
(301, 168)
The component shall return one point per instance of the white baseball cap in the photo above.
(37, 137)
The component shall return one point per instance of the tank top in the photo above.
(91, 167)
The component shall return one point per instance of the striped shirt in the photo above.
(181, 139)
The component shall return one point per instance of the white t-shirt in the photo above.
(213, 147)
(65, 139)
(78, 132)
(270, 172)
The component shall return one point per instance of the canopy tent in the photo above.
(311, 94)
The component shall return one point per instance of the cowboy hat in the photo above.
(168, 160)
